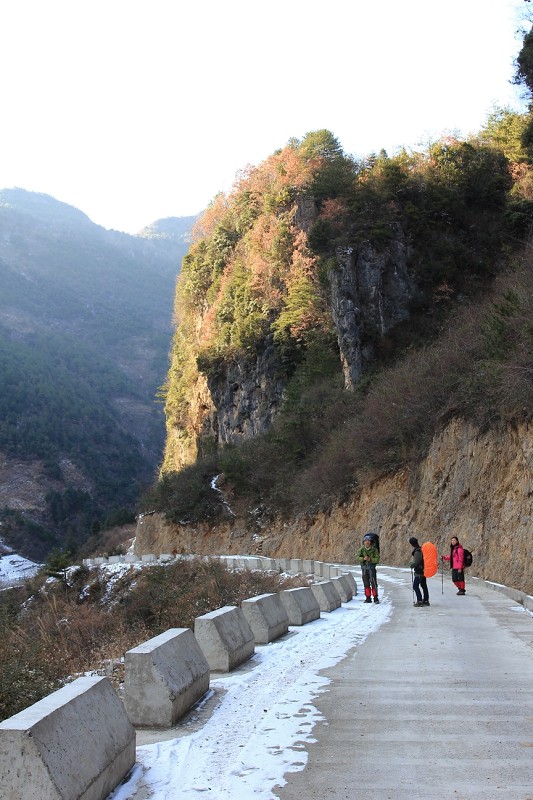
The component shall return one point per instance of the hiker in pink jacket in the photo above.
(457, 563)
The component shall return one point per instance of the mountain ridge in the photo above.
(87, 311)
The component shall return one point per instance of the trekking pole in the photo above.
(442, 574)
(412, 585)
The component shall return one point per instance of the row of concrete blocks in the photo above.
(320, 569)
(79, 742)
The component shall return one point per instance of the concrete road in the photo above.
(438, 703)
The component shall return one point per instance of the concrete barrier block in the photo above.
(300, 604)
(225, 638)
(163, 678)
(268, 563)
(266, 616)
(348, 584)
(148, 558)
(308, 567)
(131, 558)
(284, 564)
(327, 596)
(297, 565)
(231, 562)
(116, 559)
(343, 587)
(350, 577)
(75, 743)
(252, 562)
(319, 569)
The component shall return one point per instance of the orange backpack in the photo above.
(431, 559)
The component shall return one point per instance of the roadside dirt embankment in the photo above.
(475, 485)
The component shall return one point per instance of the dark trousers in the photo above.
(458, 577)
(420, 582)
(370, 580)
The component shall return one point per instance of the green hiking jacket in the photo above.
(372, 551)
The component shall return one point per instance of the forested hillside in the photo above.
(334, 315)
(85, 326)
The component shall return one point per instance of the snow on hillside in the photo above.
(14, 567)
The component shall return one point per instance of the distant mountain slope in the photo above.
(85, 328)
(171, 229)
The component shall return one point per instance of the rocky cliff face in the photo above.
(370, 293)
(237, 402)
(246, 395)
(478, 486)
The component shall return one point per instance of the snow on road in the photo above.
(262, 716)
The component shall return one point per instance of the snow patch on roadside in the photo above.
(263, 720)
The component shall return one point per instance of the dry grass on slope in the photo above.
(55, 631)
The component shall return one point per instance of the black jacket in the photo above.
(417, 561)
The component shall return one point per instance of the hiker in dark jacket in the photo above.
(368, 556)
(457, 563)
(419, 580)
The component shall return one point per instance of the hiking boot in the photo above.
(368, 599)
(418, 604)
(425, 602)
(461, 591)
(376, 599)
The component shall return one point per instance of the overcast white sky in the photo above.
(132, 110)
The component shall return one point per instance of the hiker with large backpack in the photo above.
(458, 561)
(419, 579)
(368, 556)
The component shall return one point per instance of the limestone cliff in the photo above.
(370, 293)
(296, 255)
(311, 248)
(245, 394)
(476, 485)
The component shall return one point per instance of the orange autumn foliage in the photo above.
(213, 215)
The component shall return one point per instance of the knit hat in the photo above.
(413, 541)
(369, 537)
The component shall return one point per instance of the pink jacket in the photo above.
(457, 555)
